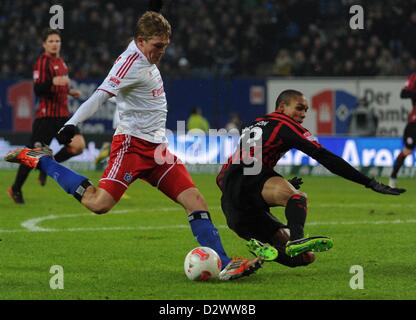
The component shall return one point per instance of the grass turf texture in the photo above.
(137, 251)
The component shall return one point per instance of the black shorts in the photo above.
(409, 136)
(246, 212)
(45, 129)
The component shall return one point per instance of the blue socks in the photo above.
(206, 234)
(66, 178)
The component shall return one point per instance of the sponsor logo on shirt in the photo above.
(262, 123)
(158, 92)
(114, 82)
(309, 136)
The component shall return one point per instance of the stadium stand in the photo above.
(229, 38)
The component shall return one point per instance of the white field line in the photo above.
(37, 229)
(32, 225)
(362, 205)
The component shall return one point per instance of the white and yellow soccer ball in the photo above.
(202, 264)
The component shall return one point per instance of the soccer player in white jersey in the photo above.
(136, 83)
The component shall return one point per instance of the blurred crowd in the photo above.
(221, 37)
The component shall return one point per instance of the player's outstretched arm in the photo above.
(340, 167)
(332, 162)
(407, 94)
(86, 110)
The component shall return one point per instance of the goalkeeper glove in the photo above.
(382, 188)
(296, 182)
(66, 133)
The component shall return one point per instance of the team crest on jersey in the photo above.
(309, 136)
(114, 82)
(158, 92)
(128, 177)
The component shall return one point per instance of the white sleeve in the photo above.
(116, 118)
(89, 107)
(123, 74)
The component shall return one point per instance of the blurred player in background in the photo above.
(51, 85)
(139, 145)
(246, 199)
(409, 135)
(197, 121)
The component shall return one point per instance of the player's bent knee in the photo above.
(100, 211)
(77, 145)
(100, 208)
(75, 151)
(296, 195)
(300, 194)
(99, 201)
(192, 200)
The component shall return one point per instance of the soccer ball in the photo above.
(202, 264)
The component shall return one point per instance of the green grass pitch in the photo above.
(137, 250)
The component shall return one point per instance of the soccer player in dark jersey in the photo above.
(409, 135)
(247, 198)
(51, 86)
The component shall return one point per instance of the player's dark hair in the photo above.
(152, 24)
(48, 32)
(286, 95)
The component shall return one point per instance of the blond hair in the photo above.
(152, 24)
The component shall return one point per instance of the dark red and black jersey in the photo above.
(412, 115)
(278, 134)
(52, 100)
(409, 92)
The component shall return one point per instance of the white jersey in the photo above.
(140, 96)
